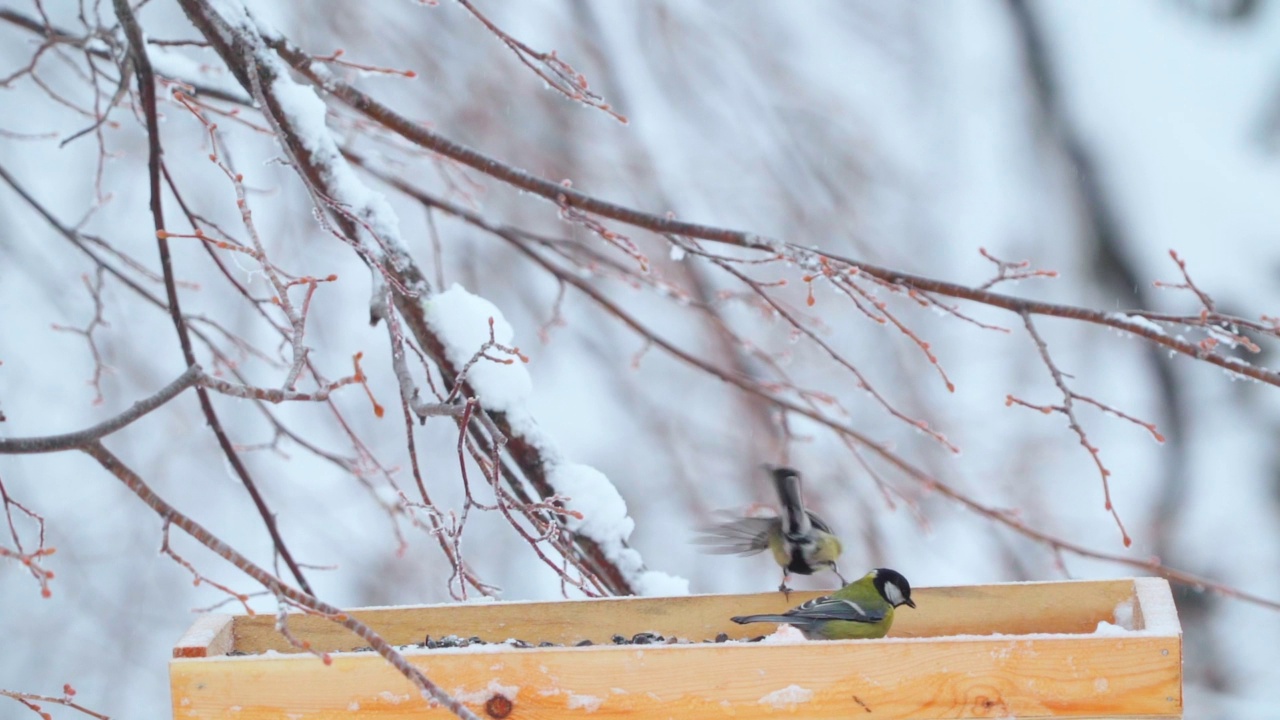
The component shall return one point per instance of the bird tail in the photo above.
(744, 619)
(795, 521)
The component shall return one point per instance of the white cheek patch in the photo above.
(893, 594)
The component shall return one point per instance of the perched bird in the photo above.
(862, 609)
(800, 541)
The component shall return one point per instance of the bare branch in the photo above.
(171, 515)
(30, 559)
(567, 197)
(1067, 408)
(75, 440)
(147, 92)
(516, 238)
(556, 73)
(361, 223)
(33, 702)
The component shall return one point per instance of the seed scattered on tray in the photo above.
(642, 638)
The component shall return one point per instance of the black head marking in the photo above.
(893, 587)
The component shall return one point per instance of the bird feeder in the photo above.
(1092, 649)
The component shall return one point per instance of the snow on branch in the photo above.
(465, 323)
(919, 286)
(366, 221)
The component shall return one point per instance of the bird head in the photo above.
(893, 587)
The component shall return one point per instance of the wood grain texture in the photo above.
(1059, 677)
(1012, 609)
(1136, 674)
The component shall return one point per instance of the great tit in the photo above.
(862, 609)
(801, 542)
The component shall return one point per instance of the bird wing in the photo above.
(833, 608)
(740, 536)
(818, 523)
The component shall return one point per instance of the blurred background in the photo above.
(1089, 137)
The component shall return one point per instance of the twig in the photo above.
(99, 367)
(32, 702)
(171, 515)
(567, 197)
(147, 93)
(80, 438)
(1067, 408)
(556, 73)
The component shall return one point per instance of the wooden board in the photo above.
(1012, 609)
(1023, 672)
(211, 635)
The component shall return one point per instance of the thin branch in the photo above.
(563, 197)
(33, 702)
(171, 516)
(243, 48)
(147, 93)
(1067, 408)
(556, 73)
(75, 440)
(880, 450)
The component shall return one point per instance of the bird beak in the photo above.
(911, 602)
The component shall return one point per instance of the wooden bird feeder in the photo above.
(1025, 650)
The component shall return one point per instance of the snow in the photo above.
(940, 123)
(590, 703)
(180, 66)
(233, 12)
(394, 698)
(483, 695)
(1124, 614)
(784, 635)
(1106, 629)
(461, 321)
(1137, 321)
(203, 631)
(787, 697)
(656, 583)
(1159, 614)
(306, 113)
(605, 521)
(590, 492)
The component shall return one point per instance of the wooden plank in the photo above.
(1013, 609)
(975, 651)
(1039, 676)
(210, 635)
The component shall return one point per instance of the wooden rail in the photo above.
(1027, 650)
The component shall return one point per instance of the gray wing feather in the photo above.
(741, 536)
(829, 608)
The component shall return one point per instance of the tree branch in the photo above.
(75, 440)
(243, 49)
(147, 93)
(171, 516)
